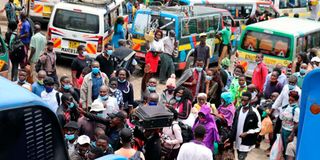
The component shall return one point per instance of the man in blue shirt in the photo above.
(38, 86)
(25, 32)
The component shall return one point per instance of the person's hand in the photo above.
(194, 82)
(226, 143)
(243, 135)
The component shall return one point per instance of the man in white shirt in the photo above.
(167, 66)
(109, 103)
(50, 95)
(246, 127)
(195, 150)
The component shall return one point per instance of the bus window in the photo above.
(283, 4)
(266, 7)
(141, 23)
(267, 44)
(106, 23)
(166, 24)
(199, 25)
(190, 27)
(307, 42)
(240, 11)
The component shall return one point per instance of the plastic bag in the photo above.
(277, 148)
(266, 126)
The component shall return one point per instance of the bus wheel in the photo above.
(190, 62)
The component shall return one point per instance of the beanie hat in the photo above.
(171, 81)
(227, 97)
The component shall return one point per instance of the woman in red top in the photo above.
(183, 103)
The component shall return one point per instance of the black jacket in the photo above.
(251, 122)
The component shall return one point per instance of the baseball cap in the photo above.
(203, 35)
(97, 107)
(315, 59)
(118, 114)
(48, 81)
(72, 124)
(83, 139)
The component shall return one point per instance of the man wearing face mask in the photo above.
(66, 87)
(301, 74)
(167, 96)
(202, 51)
(151, 88)
(67, 111)
(78, 64)
(71, 135)
(167, 66)
(50, 95)
(246, 127)
(194, 78)
(109, 103)
(38, 86)
(114, 91)
(22, 76)
(107, 61)
(260, 73)
(91, 84)
(82, 148)
(48, 61)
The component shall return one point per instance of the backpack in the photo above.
(16, 48)
(136, 156)
(186, 132)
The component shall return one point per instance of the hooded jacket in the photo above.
(212, 134)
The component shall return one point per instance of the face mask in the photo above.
(246, 106)
(22, 82)
(209, 78)
(112, 90)
(122, 81)
(48, 89)
(103, 97)
(178, 98)
(69, 137)
(40, 82)
(235, 76)
(199, 69)
(303, 71)
(242, 85)
(291, 87)
(151, 88)
(67, 87)
(152, 103)
(95, 70)
(253, 95)
(109, 52)
(294, 104)
(71, 105)
(100, 115)
(202, 120)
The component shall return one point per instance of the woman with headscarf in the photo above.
(118, 32)
(207, 120)
(201, 101)
(226, 110)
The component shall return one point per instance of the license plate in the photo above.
(73, 44)
(139, 54)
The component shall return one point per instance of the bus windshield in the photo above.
(76, 21)
(145, 22)
(266, 43)
(196, 25)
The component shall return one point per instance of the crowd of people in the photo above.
(96, 105)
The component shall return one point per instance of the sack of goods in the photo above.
(154, 117)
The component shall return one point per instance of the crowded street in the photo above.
(159, 80)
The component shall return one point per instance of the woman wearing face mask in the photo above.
(290, 117)
(214, 86)
(126, 88)
(227, 110)
(67, 110)
(301, 58)
(301, 74)
(234, 86)
(207, 120)
(183, 103)
(241, 88)
(66, 87)
(167, 96)
(114, 91)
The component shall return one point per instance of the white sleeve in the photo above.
(278, 101)
(256, 130)
(296, 115)
(183, 150)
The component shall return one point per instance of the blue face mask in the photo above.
(151, 88)
(67, 87)
(109, 52)
(291, 87)
(209, 78)
(178, 98)
(95, 70)
(303, 71)
(103, 97)
(153, 103)
(71, 105)
(69, 137)
(122, 81)
(199, 69)
(100, 115)
(48, 89)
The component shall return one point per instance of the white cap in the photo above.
(97, 106)
(315, 59)
(84, 139)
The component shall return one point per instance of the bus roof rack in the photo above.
(92, 3)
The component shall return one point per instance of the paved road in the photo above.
(63, 68)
